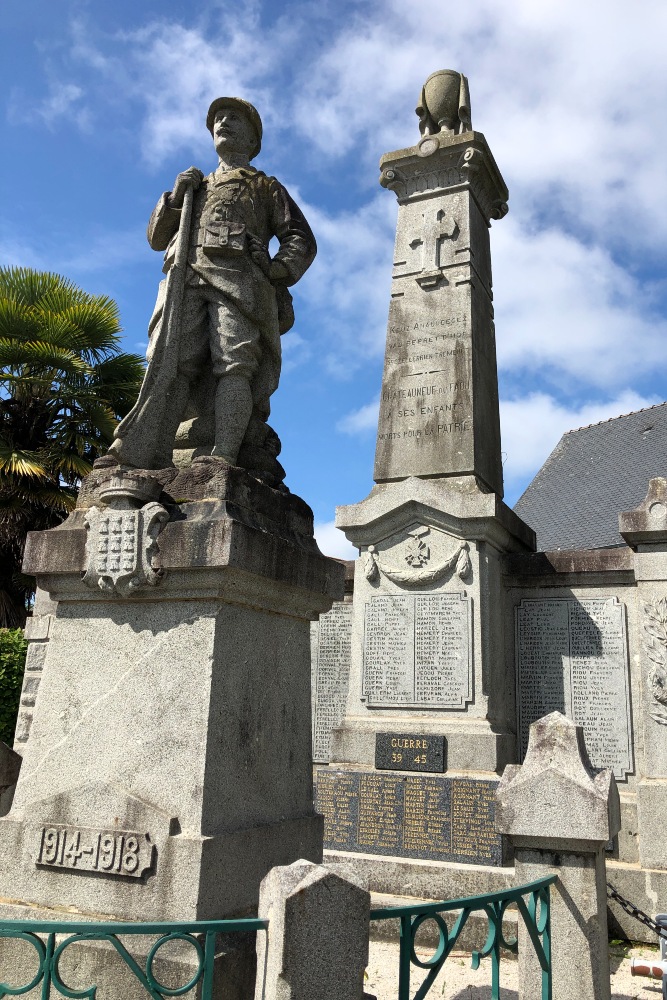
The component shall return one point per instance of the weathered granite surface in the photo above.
(439, 399)
(645, 530)
(170, 742)
(317, 943)
(559, 813)
(431, 558)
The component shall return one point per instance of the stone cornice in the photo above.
(445, 162)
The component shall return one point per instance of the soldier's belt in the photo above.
(223, 239)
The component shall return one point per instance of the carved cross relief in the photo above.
(426, 254)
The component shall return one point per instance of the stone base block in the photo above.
(470, 745)
(196, 878)
(472, 936)
(435, 880)
(652, 809)
(646, 888)
(89, 963)
(626, 845)
(430, 880)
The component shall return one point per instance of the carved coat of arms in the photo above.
(122, 541)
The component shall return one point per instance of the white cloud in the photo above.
(349, 282)
(568, 108)
(110, 249)
(65, 100)
(360, 421)
(174, 70)
(533, 425)
(16, 252)
(565, 308)
(332, 541)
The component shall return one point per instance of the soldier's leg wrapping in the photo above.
(235, 353)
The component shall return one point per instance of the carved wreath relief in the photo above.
(417, 554)
(655, 645)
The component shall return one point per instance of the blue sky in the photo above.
(104, 103)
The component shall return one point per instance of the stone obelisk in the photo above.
(439, 400)
(428, 616)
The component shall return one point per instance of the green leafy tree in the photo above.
(64, 384)
(12, 663)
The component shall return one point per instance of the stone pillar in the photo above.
(168, 765)
(439, 399)
(645, 531)
(433, 531)
(559, 814)
(317, 941)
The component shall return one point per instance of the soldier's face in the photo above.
(233, 132)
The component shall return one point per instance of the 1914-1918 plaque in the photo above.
(331, 640)
(572, 657)
(414, 816)
(417, 651)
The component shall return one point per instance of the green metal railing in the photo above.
(42, 937)
(532, 901)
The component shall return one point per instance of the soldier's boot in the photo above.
(233, 407)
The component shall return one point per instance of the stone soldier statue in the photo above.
(214, 348)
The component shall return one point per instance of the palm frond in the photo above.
(39, 354)
(18, 462)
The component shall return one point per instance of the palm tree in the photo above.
(64, 384)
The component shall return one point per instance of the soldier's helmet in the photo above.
(250, 112)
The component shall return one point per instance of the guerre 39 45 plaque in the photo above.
(409, 752)
(414, 816)
(417, 650)
(572, 657)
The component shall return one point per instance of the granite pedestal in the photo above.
(167, 767)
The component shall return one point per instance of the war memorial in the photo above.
(456, 634)
(473, 707)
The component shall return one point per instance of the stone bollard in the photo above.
(559, 814)
(317, 941)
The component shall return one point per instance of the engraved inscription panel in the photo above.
(417, 816)
(572, 657)
(331, 648)
(409, 752)
(107, 852)
(417, 650)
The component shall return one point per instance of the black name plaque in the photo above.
(409, 752)
(431, 817)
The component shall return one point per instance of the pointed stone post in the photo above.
(317, 941)
(559, 814)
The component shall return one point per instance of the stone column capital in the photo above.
(443, 162)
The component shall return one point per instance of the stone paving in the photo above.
(457, 981)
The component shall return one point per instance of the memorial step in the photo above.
(472, 936)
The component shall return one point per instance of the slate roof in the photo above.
(592, 475)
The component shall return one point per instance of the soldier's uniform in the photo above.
(231, 311)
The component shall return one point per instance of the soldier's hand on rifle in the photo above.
(192, 177)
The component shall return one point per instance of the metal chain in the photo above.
(635, 912)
